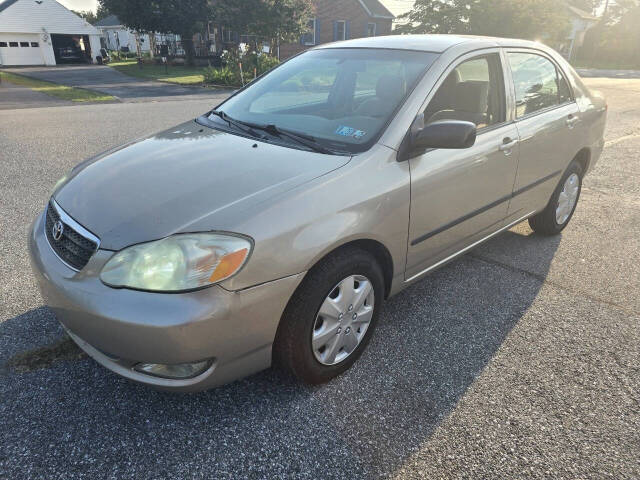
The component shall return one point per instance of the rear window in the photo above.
(538, 83)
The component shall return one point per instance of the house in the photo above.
(333, 20)
(337, 20)
(43, 32)
(581, 22)
(115, 36)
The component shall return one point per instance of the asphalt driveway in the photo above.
(519, 360)
(108, 80)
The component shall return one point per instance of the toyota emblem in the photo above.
(57, 230)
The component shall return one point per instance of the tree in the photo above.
(587, 5)
(437, 16)
(88, 15)
(531, 19)
(182, 17)
(269, 21)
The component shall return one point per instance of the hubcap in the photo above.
(343, 320)
(568, 198)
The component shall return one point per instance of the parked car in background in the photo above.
(70, 54)
(273, 228)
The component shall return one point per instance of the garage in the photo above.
(71, 48)
(20, 49)
(43, 32)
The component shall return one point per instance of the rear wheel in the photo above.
(331, 317)
(556, 216)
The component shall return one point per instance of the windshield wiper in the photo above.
(306, 140)
(236, 123)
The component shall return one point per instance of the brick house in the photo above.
(336, 20)
(333, 20)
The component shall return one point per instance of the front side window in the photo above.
(342, 97)
(538, 84)
(472, 92)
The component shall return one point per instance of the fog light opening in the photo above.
(180, 371)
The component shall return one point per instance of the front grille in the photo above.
(72, 247)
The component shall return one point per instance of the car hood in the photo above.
(188, 178)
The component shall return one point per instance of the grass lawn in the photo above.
(177, 74)
(55, 90)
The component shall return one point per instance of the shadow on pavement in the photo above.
(433, 340)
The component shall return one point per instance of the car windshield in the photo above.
(340, 98)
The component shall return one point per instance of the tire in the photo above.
(549, 221)
(295, 347)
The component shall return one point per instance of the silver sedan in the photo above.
(272, 228)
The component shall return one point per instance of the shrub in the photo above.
(221, 76)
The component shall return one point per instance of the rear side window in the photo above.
(538, 83)
(473, 92)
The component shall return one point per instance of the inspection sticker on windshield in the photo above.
(350, 132)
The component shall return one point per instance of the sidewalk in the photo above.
(16, 96)
(600, 73)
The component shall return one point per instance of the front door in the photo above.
(460, 196)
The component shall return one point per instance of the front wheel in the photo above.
(331, 317)
(556, 216)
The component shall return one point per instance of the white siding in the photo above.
(20, 55)
(27, 16)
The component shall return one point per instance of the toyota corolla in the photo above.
(272, 228)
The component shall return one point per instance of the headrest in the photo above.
(390, 87)
(472, 96)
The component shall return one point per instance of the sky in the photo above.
(396, 6)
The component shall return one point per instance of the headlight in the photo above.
(177, 263)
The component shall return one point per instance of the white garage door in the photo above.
(20, 49)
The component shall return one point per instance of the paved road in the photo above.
(517, 361)
(108, 80)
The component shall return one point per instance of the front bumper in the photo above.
(120, 328)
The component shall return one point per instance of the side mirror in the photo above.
(447, 134)
(451, 134)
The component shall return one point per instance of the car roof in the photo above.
(429, 43)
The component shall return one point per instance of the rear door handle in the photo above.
(508, 145)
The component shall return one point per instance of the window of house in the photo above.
(472, 92)
(371, 29)
(309, 38)
(538, 83)
(24, 44)
(341, 30)
(13, 44)
(3, 44)
(35, 44)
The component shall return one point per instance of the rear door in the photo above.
(461, 196)
(546, 115)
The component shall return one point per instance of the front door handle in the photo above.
(508, 145)
(572, 120)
